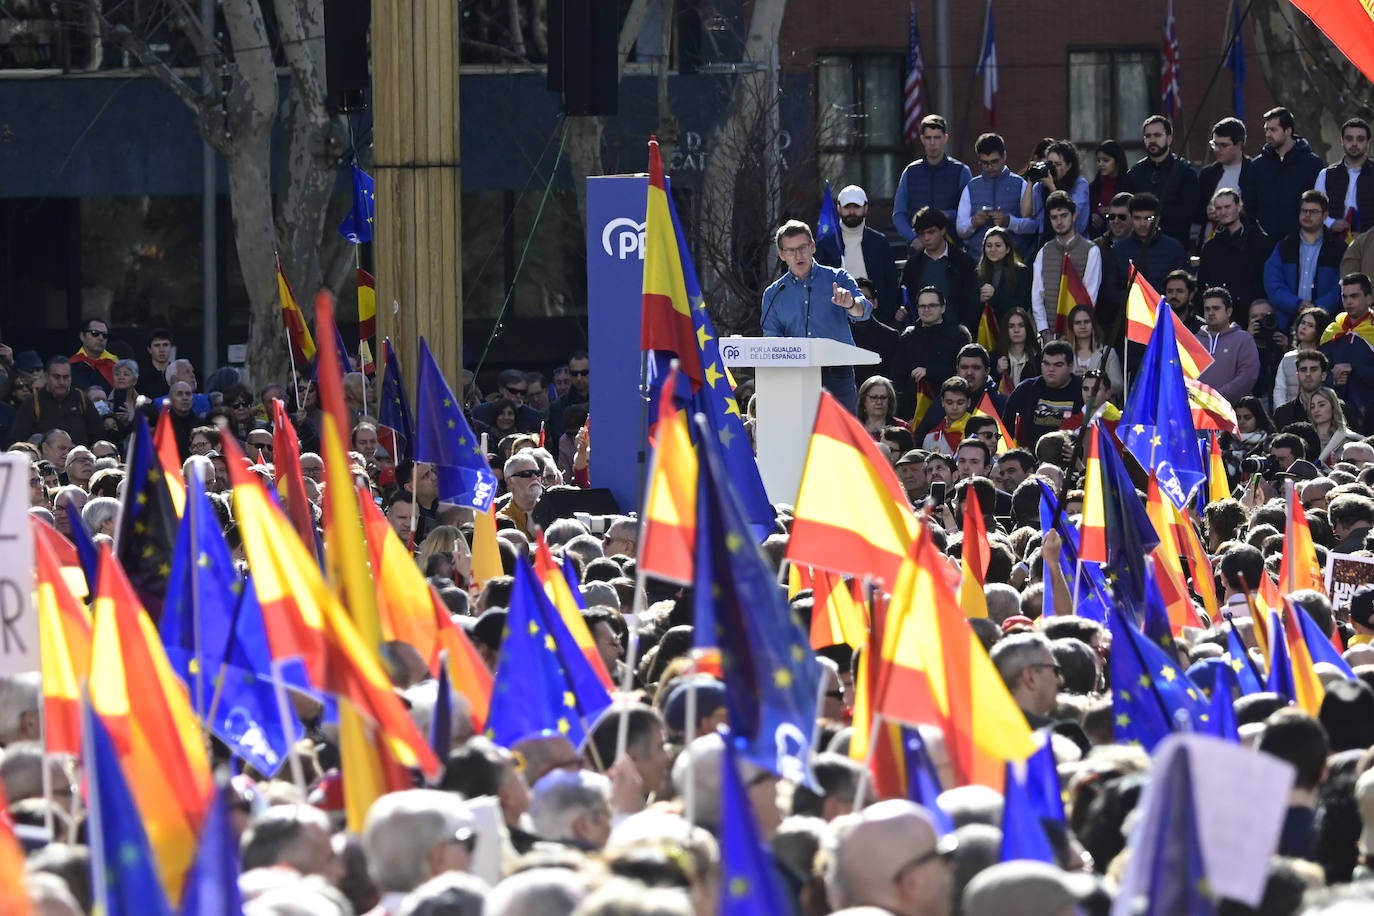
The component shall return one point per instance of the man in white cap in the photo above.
(860, 249)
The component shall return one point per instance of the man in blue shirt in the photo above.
(1304, 269)
(789, 309)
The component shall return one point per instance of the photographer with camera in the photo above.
(1058, 172)
(1270, 342)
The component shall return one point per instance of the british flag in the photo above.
(914, 90)
(1169, 72)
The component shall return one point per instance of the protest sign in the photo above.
(1344, 574)
(18, 617)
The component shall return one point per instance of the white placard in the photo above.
(1344, 574)
(18, 616)
(765, 351)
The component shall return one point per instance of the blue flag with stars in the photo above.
(1220, 721)
(1281, 679)
(1157, 424)
(393, 405)
(1088, 586)
(1023, 834)
(543, 683)
(216, 641)
(444, 439)
(749, 881)
(922, 781)
(147, 523)
(1150, 694)
(771, 676)
(1246, 675)
(1318, 645)
(827, 223)
(85, 547)
(212, 884)
(124, 879)
(356, 227)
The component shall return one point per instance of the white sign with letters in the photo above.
(18, 615)
(766, 351)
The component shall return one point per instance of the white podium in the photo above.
(787, 382)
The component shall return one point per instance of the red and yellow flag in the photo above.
(1094, 531)
(986, 408)
(1299, 568)
(286, 467)
(1350, 26)
(1218, 483)
(1072, 293)
(925, 397)
(14, 897)
(402, 594)
(165, 445)
(143, 704)
(1210, 410)
(467, 673)
(839, 614)
(668, 531)
(1142, 303)
(1173, 584)
(975, 556)
(852, 515)
(988, 330)
(560, 592)
(302, 344)
(666, 323)
(367, 306)
(64, 638)
(486, 555)
(935, 671)
(1343, 326)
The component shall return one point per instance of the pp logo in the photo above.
(730, 351)
(627, 236)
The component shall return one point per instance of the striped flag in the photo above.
(913, 92)
(988, 329)
(302, 344)
(1169, 68)
(987, 68)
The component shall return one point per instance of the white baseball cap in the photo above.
(852, 194)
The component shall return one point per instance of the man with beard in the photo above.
(1234, 257)
(860, 249)
(1168, 176)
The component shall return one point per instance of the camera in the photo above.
(1266, 324)
(1267, 466)
(1037, 171)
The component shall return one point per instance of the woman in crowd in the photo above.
(1004, 279)
(1018, 348)
(1090, 351)
(1255, 429)
(1325, 413)
(1307, 334)
(1063, 175)
(1111, 166)
(878, 406)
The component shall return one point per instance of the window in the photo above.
(859, 121)
(1111, 92)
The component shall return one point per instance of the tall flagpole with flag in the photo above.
(913, 91)
(987, 68)
(1169, 69)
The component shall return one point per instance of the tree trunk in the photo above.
(735, 141)
(1315, 80)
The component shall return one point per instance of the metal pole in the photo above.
(209, 237)
(944, 79)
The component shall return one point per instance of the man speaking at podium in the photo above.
(812, 300)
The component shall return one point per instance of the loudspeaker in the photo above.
(585, 33)
(346, 54)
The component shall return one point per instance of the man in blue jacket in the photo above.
(935, 181)
(859, 248)
(1279, 174)
(1304, 269)
(993, 198)
(812, 300)
(1349, 344)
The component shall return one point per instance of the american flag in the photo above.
(915, 85)
(1168, 77)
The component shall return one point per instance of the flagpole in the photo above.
(622, 733)
(48, 823)
(279, 690)
(859, 790)
(100, 889)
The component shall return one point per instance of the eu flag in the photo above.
(85, 547)
(147, 523)
(1246, 676)
(1117, 531)
(444, 439)
(441, 723)
(1167, 874)
(124, 878)
(1149, 692)
(1088, 586)
(393, 406)
(1157, 424)
(1220, 720)
(1281, 680)
(922, 781)
(771, 676)
(356, 227)
(543, 681)
(749, 881)
(827, 225)
(1023, 834)
(212, 884)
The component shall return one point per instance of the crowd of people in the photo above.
(546, 827)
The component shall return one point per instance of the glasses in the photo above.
(241, 404)
(95, 333)
(929, 305)
(795, 252)
(1220, 146)
(991, 435)
(1057, 670)
(525, 475)
(1118, 217)
(516, 392)
(879, 396)
(835, 694)
(944, 850)
(579, 373)
(1311, 211)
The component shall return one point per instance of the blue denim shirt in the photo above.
(804, 308)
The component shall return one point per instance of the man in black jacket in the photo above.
(926, 351)
(1168, 176)
(859, 248)
(1230, 170)
(943, 266)
(1234, 257)
(1350, 197)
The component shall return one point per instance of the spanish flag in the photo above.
(986, 408)
(1298, 568)
(286, 466)
(1342, 326)
(486, 554)
(668, 530)
(14, 896)
(64, 634)
(165, 445)
(367, 306)
(1072, 293)
(839, 614)
(1210, 410)
(1142, 304)
(1218, 483)
(559, 587)
(144, 706)
(936, 671)
(467, 672)
(666, 326)
(987, 329)
(1173, 584)
(852, 515)
(402, 594)
(925, 396)
(975, 556)
(302, 344)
